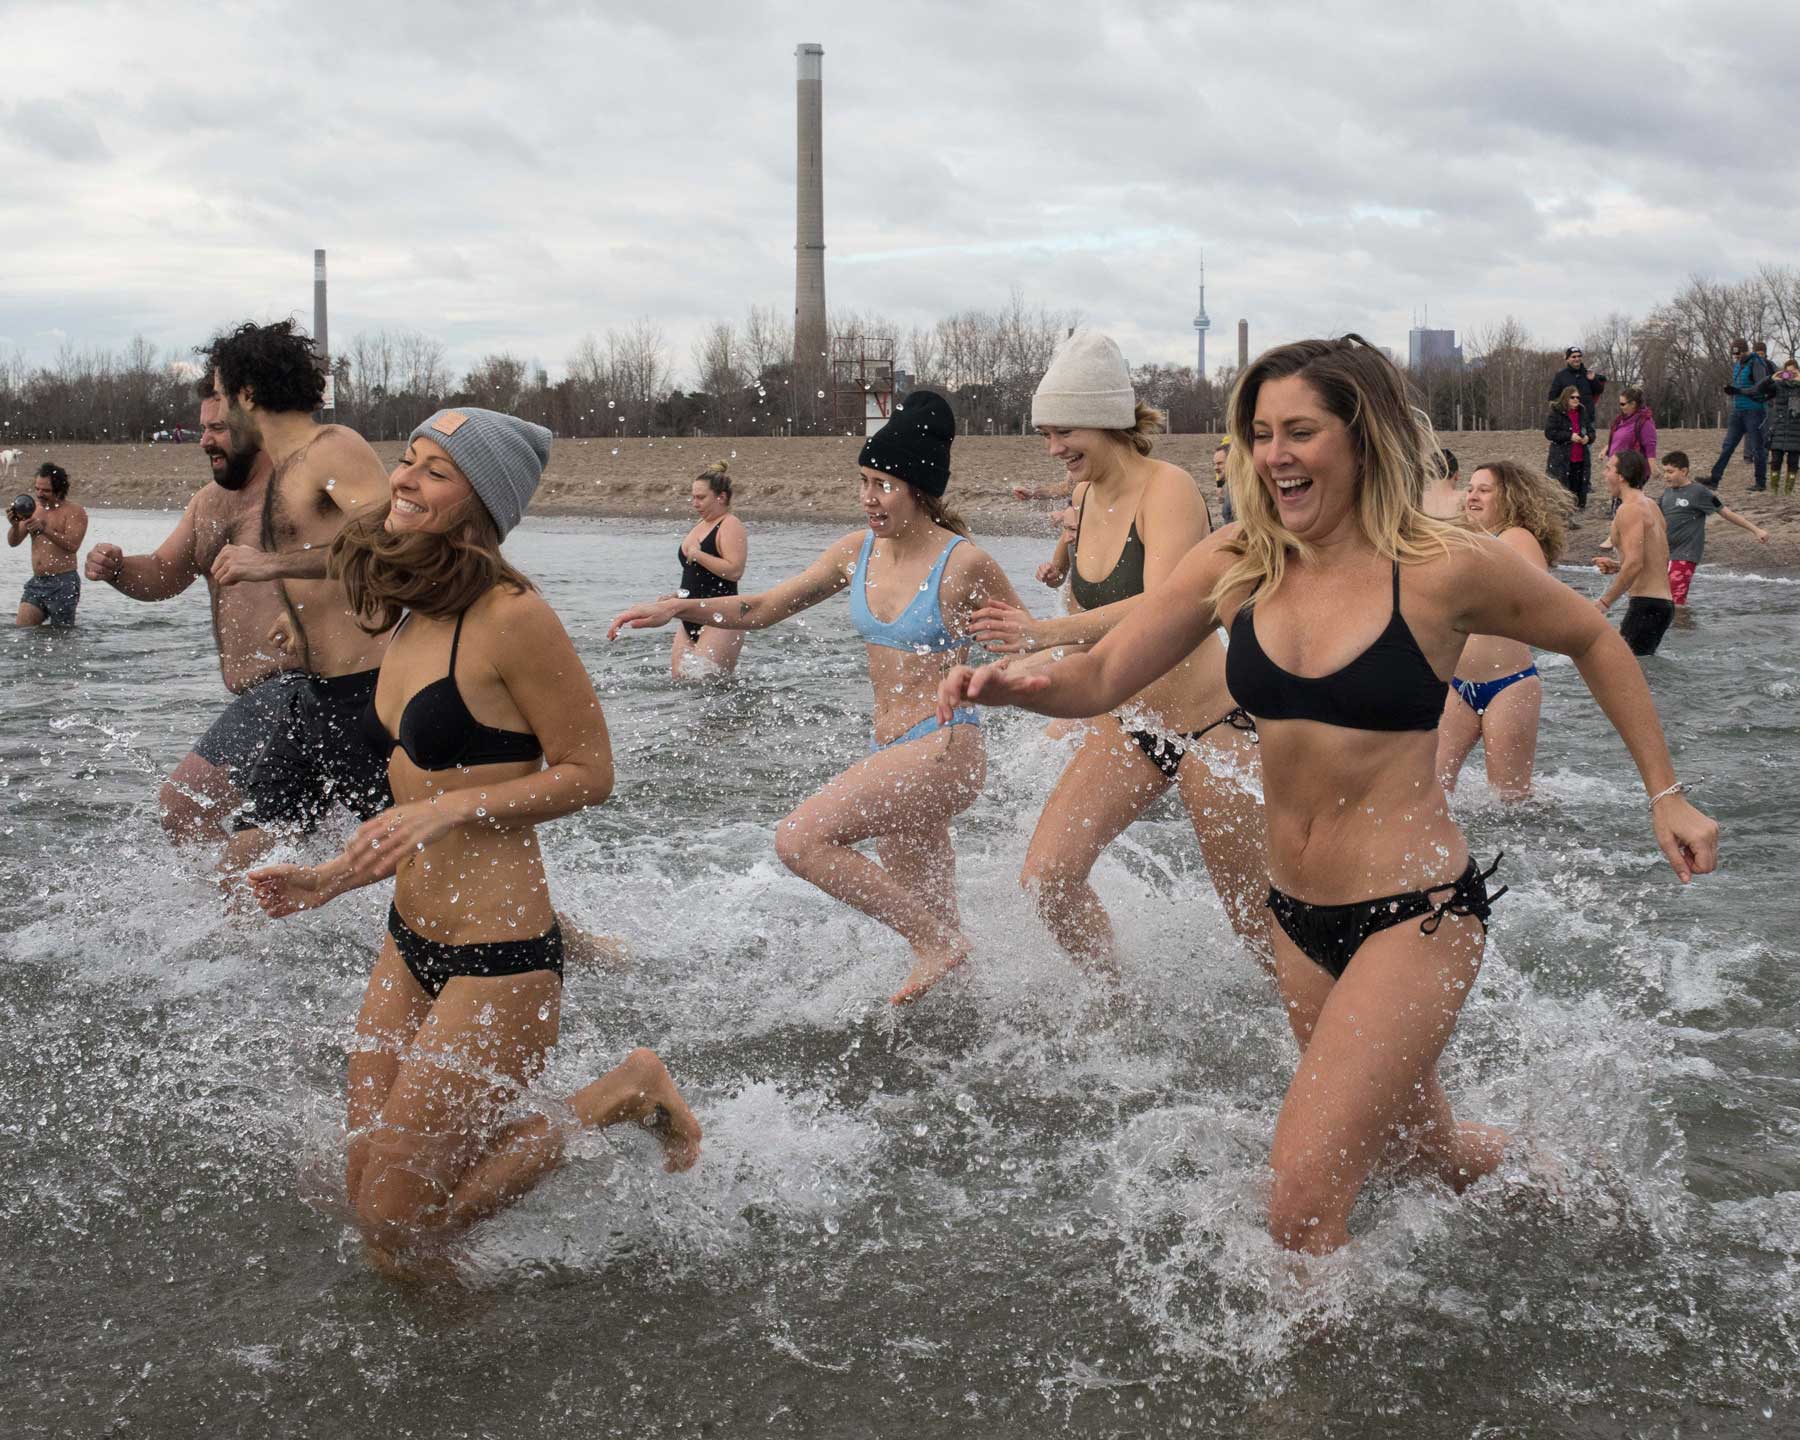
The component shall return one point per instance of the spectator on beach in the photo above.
(1634, 427)
(1443, 488)
(1749, 372)
(1782, 424)
(1223, 453)
(55, 528)
(1570, 431)
(1685, 507)
(1588, 383)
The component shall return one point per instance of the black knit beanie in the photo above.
(914, 445)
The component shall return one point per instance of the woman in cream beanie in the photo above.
(1136, 518)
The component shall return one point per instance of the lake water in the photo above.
(1012, 1211)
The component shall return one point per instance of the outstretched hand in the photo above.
(640, 617)
(1688, 839)
(284, 890)
(1003, 628)
(985, 685)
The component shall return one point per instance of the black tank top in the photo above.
(1390, 686)
(699, 583)
(1124, 580)
(437, 732)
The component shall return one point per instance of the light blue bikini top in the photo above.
(920, 627)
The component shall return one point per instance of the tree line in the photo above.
(741, 377)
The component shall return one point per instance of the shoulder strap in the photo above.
(456, 640)
(1396, 586)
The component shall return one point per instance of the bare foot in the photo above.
(929, 970)
(584, 950)
(666, 1114)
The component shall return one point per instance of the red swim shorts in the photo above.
(1681, 575)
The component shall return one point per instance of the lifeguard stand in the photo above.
(862, 384)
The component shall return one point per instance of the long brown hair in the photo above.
(1145, 422)
(1533, 502)
(942, 514)
(436, 575)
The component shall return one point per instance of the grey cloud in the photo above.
(58, 130)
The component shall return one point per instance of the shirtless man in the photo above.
(204, 787)
(321, 477)
(1641, 566)
(56, 528)
(1443, 488)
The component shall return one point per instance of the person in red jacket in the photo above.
(1570, 431)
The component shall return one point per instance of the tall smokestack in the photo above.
(321, 340)
(1243, 345)
(809, 217)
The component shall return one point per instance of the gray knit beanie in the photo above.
(502, 456)
(1087, 387)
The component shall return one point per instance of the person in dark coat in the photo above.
(1570, 431)
(1588, 383)
(1782, 391)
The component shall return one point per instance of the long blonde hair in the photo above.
(1533, 502)
(1145, 422)
(1395, 450)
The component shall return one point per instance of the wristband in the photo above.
(1676, 789)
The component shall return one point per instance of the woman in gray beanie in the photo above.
(913, 562)
(493, 728)
(1136, 518)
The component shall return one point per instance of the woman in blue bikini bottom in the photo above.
(1496, 695)
(914, 564)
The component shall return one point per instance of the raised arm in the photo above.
(165, 572)
(1152, 640)
(821, 580)
(1499, 593)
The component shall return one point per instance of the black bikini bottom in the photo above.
(1166, 752)
(1330, 935)
(435, 964)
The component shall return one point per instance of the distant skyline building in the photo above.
(810, 339)
(1425, 347)
(1202, 323)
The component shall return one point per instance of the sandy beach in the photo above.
(785, 479)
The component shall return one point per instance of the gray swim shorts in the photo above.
(56, 595)
(237, 739)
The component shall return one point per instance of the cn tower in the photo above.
(1202, 323)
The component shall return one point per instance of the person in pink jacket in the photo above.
(1634, 427)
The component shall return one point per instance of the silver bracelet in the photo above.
(1676, 789)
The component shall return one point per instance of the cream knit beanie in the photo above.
(1087, 387)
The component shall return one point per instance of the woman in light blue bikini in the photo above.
(914, 564)
(1496, 696)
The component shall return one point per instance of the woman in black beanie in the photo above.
(912, 563)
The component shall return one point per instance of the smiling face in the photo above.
(427, 493)
(1482, 502)
(1085, 454)
(231, 466)
(1615, 482)
(1305, 459)
(889, 505)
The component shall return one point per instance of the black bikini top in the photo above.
(1124, 580)
(437, 732)
(699, 583)
(1390, 686)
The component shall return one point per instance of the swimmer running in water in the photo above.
(493, 728)
(713, 556)
(915, 579)
(1496, 696)
(1347, 607)
(1137, 518)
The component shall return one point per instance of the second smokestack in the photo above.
(1243, 345)
(809, 215)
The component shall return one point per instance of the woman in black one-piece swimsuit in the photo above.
(713, 555)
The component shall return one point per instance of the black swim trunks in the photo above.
(56, 595)
(1646, 621)
(236, 740)
(319, 756)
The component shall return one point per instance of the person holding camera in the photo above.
(56, 528)
(1748, 388)
(1588, 383)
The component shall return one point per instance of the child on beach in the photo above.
(1685, 507)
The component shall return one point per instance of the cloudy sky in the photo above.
(513, 177)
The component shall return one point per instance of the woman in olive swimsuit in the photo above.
(713, 556)
(1137, 517)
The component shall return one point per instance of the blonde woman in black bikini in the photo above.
(1138, 517)
(713, 556)
(1328, 467)
(494, 728)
